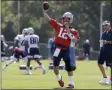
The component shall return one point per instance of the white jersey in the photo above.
(21, 39)
(32, 40)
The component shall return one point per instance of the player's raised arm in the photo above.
(45, 7)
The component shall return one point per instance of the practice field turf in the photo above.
(86, 76)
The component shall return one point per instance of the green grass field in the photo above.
(86, 76)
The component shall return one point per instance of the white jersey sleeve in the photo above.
(21, 39)
(17, 37)
(26, 38)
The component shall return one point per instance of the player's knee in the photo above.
(56, 62)
(72, 68)
(68, 69)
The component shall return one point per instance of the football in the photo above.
(45, 5)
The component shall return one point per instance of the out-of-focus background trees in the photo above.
(86, 18)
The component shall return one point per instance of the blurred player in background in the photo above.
(106, 53)
(3, 47)
(51, 48)
(18, 48)
(32, 48)
(64, 35)
(86, 48)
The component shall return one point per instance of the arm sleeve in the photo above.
(102, 37)
(54, 24)
(16, 38)
(76, 34)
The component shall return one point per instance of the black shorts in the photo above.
(33, 53)
(62, 54)
(105, 56)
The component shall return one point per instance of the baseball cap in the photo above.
(106, 23)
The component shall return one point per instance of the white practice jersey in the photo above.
(21, 39)
(32, 40)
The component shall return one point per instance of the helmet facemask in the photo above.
(66, 21)
(67, 18)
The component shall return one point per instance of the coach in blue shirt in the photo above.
(106, 52)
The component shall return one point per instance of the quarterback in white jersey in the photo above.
(19, 48)
(31, 45)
